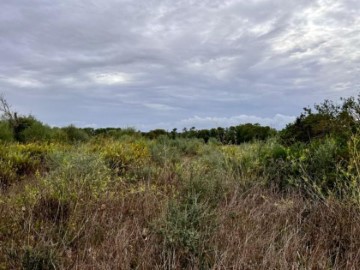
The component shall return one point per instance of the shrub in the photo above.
(59, 135)
(163, 153)
(327, 119)
(6, 133)
(314, 168)
(244, 162)
(126, 157)
(76, 174)
(18, 161)
(74, 134)
(317, 168)
(185, 230)
(35, 132)
(188, 147)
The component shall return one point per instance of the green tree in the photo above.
(327, 119)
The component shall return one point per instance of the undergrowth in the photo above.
(134, 203)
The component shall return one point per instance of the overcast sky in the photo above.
(175, 63)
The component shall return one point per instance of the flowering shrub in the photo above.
(124, 157)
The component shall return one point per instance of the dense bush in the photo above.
(74, 134)
(74, 174)
(28, 129)
(35, 132)
(327, 119)
(6, 133)
(20, 161)
(126, 157)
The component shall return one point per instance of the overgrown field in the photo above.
(136, 203)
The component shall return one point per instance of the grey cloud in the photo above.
(143, 63)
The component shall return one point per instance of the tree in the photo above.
(327, 119)
(23, 128)
(174, 133)
(7, 114)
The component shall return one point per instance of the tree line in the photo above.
(339, 120)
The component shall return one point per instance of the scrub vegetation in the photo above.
(245, 197)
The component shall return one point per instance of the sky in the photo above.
(171, 64)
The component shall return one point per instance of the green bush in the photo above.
(187, 147)
(6, 133)
(327, 119)
(36, 132)
(185, 231)
(59, 135)
(244, 162)
(320, 166)
(76, 174)
(19, 161)
(164, 153)
(74, 134)
(315, 168)
(126, 157)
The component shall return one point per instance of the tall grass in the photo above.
(179, 204)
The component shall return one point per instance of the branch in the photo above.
(5, 109)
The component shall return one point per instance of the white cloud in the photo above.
(159, 107)
(22, 82)
(111, 78)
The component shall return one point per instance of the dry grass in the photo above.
(119, 235)
(197, 212)
(264, 230)
(256, 229)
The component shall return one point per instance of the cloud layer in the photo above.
(152, 64)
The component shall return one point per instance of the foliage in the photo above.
(19, 161)
(232, 135)
(6, 133)
(75, 174)
(168, 151)
(35, 132)
(126, 157)
(74, 134)
(338, 121)
(185, 230)
(156, 133)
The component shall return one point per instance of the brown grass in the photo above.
(264, 230)
(254, 229)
